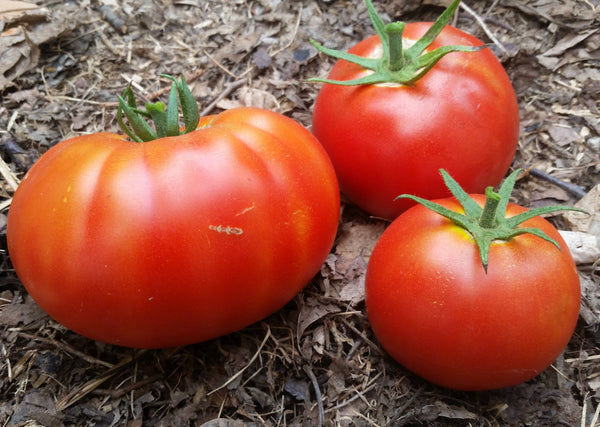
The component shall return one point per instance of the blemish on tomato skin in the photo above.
(65, 198)
(243, 211)
(226, 229)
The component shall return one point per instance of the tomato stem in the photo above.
(490, 208)
(489, 224)
(165, 118)
(397, 65)
(396, 54)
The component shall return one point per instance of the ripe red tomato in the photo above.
(436, 311)
(176, 240)
(388, 139)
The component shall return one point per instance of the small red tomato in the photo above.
(179, 239)
(435, 309)
(391, 134)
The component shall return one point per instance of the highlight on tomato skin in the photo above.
(466, 317)
(178, 239)
(390, 131)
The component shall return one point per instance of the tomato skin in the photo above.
(176, 240)
(435, 310)
(387, 141)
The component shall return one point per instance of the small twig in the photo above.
(68, 349)
(485, 28)
(230, 88)
(359, 394)
(109, 16)
(580, 360)
(575, 190)
(241, 371)
(313, 379)
(596, 416)
(296, 27)
(106, 41)
(120, 392)
(562, 375)
(364, 417)
(363, 336)
(8, 175)
(189, 79)
(222, 67)
(4, 205)
(409, 402)
(82, 391)
(12, 120)
(104, 104)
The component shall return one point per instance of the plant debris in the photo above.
(316, 361)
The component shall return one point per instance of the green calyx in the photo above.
(489, 224)
(397, 65)
(165, 118)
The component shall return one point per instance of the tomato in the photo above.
(387, 139)
(176, 240)
(435, 309)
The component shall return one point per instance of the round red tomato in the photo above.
(435, 310)
(389, 139)
(176, 240)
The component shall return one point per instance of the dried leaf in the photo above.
(19, 54)
(20, 43)
(36, 406)
(311, 311)
(26, 313)
(590, 302)
(250, 97)
(563, 134)
(441, 409)
(353, 292)
(358, 239)
(298, 388)
(584, 247)
(569, 41)
(224, 422)
(14, 10)
(588, 222)
(262, 59)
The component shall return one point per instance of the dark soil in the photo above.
(316, 361)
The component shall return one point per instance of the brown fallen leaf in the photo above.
(26, 313)
(25, 29)
(8, 7)
(583, 246)
(588, 222)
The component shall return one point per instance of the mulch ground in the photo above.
(316, 361)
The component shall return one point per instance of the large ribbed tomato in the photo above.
(179, 239)
(390, 138)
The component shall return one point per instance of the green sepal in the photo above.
(165, 118)
(378, 25)
(172, 113)
(435, 30)
(159, 117)
(369, 63)
(140, 130)
(122, 125)
(489, 223)
(472, 209)
(191, 115)
(397, 65)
